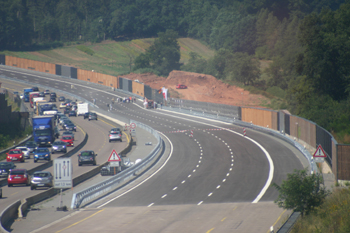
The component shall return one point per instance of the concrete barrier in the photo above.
(8, 215)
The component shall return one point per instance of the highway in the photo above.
(208, 178)
(97, 141)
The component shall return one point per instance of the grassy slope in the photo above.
(110, 57)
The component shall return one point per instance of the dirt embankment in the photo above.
(201, 87)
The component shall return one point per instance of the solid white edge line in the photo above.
(161, 167)
(269, 180)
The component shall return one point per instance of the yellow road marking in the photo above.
(80, 221)
(277, 219)
(14, 193)
(221, 221)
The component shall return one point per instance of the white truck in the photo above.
(82, 108)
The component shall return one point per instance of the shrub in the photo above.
(85, 49)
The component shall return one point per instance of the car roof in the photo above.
(21, 147)
(19, 169)
(15, 150)
(42, 172)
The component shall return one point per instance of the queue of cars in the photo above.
(20, 176)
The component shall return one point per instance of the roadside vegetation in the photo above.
(12, 133)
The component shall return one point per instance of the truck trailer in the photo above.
(44, 130)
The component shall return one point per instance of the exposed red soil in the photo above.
(201, 87)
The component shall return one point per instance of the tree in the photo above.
(301, 192)
(244, 68)
(163, 56)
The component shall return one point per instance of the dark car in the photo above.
(31, 145)
(70, 126)
(41, 94)
(53, 94)
(61, 98)
(18, 176)
(52, 99)
(59, 146)
(35, 88)
(87, 157)
(66, 110)
(72, 113)
(5, 167)
(47, 92)
(41, 179)
(92, 116)
(86, 115)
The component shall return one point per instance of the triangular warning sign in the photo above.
(320, 152)
(114, 157)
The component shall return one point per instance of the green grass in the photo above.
(108, 57)
(332, 216)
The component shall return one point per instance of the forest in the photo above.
(306, 41)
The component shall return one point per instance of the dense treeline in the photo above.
(306, 40)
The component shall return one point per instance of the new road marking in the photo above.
(160, 168)
(271, 171)
(80, 221)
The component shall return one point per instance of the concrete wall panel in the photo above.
(138, 89)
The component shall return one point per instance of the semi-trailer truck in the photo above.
(44, 129)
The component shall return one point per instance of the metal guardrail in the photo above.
(97, 190)
(308, 156)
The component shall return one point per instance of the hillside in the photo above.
(110, 57)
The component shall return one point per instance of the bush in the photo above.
(277, 91)
(85, 49)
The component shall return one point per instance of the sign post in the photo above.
(62, 169)
(114, 160)
(319, 154)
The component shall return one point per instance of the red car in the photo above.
(18, 176)
(15, 155)
(181, 86)
(68, 140)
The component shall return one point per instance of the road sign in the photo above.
(62, 169)
(319, 159)
(133, 125)
(319, 152)
(114, 164)
(114, 157)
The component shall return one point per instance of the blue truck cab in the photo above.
(26, 92)
(44, 130)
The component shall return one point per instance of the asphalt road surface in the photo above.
(216, 181)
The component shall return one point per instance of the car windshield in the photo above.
(67, 132)
(86, 153)
(41, 174)
(15, 152)
(31, 144)
(67, 137)
(59, 143)
(41, 150)
(6, 165)
(18, 172)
